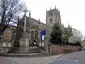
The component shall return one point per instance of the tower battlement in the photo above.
(52, 17)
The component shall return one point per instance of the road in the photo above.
(71, 58)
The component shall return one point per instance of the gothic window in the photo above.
(36, 34)
(32, 35)
(51, 20)
(58, 20)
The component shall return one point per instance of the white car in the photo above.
(83, 48)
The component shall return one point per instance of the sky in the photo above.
(71, 11)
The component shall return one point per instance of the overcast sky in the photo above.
(72, 11)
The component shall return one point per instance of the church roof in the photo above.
(34, 23)
(32, 20)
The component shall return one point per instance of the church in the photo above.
(32, 28)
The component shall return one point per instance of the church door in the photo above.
(36, 37)
(32, 39)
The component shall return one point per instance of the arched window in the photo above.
(36, 34)
(51, 20)
(32, 35)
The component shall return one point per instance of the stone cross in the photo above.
(25, 11)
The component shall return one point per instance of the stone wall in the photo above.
(58, 49)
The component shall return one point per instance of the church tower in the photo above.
(52, 17)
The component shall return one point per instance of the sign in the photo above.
(43, 37)
(43, 33)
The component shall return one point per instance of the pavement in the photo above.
(32, 60)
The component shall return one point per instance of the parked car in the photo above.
(83, 45)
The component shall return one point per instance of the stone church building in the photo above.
(34, 27)
(32, 37)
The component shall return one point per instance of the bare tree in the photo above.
(9, 10)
